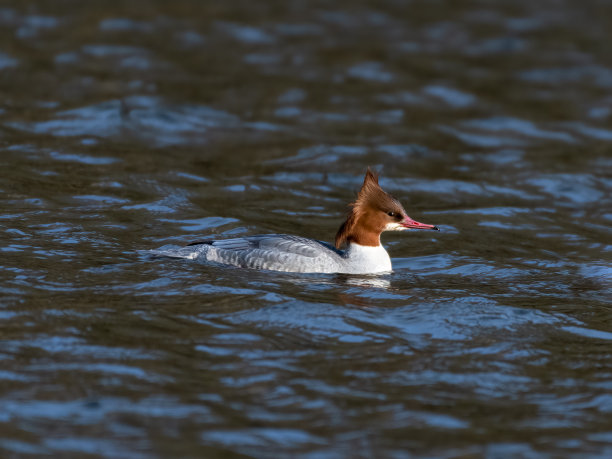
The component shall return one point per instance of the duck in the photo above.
(357, 247)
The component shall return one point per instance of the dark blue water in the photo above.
(125, 127)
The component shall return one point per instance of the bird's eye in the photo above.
(391, 214)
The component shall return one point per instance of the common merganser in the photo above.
(373, 212)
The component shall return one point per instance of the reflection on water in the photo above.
(125, 129)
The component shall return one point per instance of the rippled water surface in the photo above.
(126, 126)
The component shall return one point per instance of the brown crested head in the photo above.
(373, 212)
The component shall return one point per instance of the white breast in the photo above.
(362, 259)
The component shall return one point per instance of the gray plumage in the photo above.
(277, 252)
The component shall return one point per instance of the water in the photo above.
(125, 127)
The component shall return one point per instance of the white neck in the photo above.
(364, 259)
